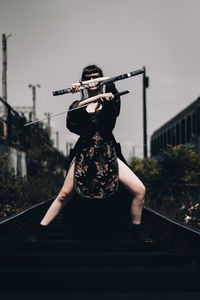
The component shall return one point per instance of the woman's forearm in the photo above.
(107, 96)
(89, 100)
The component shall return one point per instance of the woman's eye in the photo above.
(91, 77)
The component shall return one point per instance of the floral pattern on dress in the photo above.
(96, 168)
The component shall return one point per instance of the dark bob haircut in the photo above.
(89, 70)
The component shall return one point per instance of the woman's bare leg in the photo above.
(135, 187)
(63, 197)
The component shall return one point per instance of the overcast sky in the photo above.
(52, 40)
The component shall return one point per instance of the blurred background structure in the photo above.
(160, 35)
(184, 128)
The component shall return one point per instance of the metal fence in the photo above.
(13, 134)
(12, 138)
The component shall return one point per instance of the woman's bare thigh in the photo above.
(129, 179)
(68, 185)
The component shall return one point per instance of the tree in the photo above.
(168, 179)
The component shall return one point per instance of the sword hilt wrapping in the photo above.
(100, 83)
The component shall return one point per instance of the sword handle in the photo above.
(61, 92)
(67, 91)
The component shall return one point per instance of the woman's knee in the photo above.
(64, 196)
(140, 192)
(66, 192)
(143, 190)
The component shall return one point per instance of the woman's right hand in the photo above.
(75, 87)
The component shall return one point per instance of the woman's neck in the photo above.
(93, 93)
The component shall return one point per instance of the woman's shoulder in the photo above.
(74, 104)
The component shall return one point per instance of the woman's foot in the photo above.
(38, 234)
(139, 235)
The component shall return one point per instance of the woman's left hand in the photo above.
(108, 96)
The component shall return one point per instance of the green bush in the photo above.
(168, 179)
(45, 173)
(17, 193)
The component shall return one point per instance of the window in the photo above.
(165, 139)
(177, 134)
(194, 123)
(198, 121)
(168, 137)
(183, 131)
(173, 136)
(189, 131)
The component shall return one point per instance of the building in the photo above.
(10, 143)
(184, 128)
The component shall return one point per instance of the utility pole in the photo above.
(4, 82)
(47, 114)
(34, 98)
(57, 140)
(68, 148)
(145, 85)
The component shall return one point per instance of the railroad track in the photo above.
(63, 265)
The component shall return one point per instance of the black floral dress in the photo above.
(96, 167)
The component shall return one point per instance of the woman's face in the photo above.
(92, 76)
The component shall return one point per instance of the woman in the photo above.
(96, 164)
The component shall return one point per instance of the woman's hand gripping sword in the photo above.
(97, 82)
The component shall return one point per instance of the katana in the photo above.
(99, 82)
(76, 108)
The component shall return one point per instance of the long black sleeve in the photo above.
(116, 104)
(74, 118)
